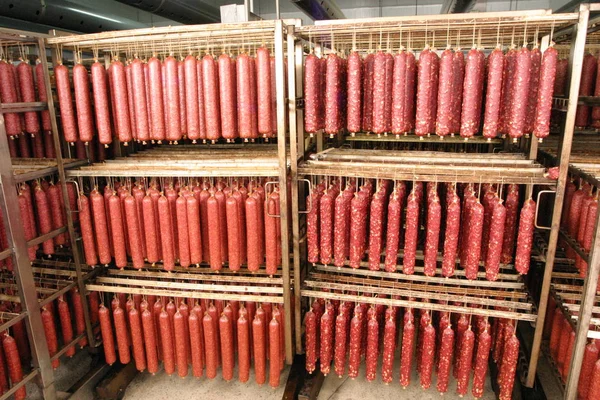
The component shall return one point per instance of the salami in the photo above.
(586, 88)
(275, 353)
(495, 241)
(354, 344)
(389, 347)
(590, 357)
(333, 87)
(411, 235)
(594, 391)
(27, 89)
(65, 99)
(509, 367)
(368, 78)
(13, 363)
(426, 114)
(358, 228)
(476, 215)
(427, 355)
(326, 220)
(472, 93)
(394, 223)
(376, 232)
(561, 77)
(434, 216)
(263, 90)
(354, 90)
(534, 83)
(445, 358)
(312, 89)
(493, 97)
(451, 236)
(372, 348)
(525, 237)
(259, 338)
(520, 96)
(40, 74)
(444, 121)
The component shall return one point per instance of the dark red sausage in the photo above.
(548, 75)
(44, 218)
(312, 227)
(474, 244)
(274, 353)
(372, 349)
(368, 85)
(310, 325)
(358, 227)
(326, 220)
(312, 88)
(376, 216)
(354, 90)
(379, 92)
(525, 237)
(66, 325)
(394, 222)
(101, 103)
(411, 235)
(399, 88)
(27, 89)
(341, 332)
(434, 219)
(428, 355)
(472, 93)
(561, 77)
(465, 358)
(194, 229)
(426, 115)
(520, 97)
(586, 88)
(108, 341)
(534, 83)
(493, 97)
(444, 121)
(496, 235)
(389, 348)
(67, 112)
(222, 213)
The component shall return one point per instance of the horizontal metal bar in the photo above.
(574, 245)
(420, 278)
(189, 286)
(57, 294)
(420, 305)
(67, 346)
(5, 254)
(30, 169)
(23, 107)
(412, 138)
(26, 379)
(50, 235)
(182, 293)
(196, 276)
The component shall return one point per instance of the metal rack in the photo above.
(215, 160)
(415, 32)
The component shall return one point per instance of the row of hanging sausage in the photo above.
(580, 211)
(342, 335)
(234, 223)
(561, 337)
(200, 98)
(14, 351)
(205, 334)
(589, 85)
(442, 95)
(346, 222)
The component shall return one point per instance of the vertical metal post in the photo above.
(577, 53)
(283, 175)
(23, 272)
(63, 183)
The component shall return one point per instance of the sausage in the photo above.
(327, 327)
(79, 316)
(358, 227)
(444, 121)
(182, 103)
(270, 234)
(452, 235)
(212, 115)
(594, 390)
(484, 343)
(155, 95)
(182, 230)
(134, 234)
(129, 81)
(227, 346)
(368, 86)
(227, 96)
(180, 337)
(426, 114)
(138, 97)
(496, 235)
(534, 83)
(465, 358)
(493, 97)
(354, 344)
(53, 193)
(173, 123)
(312, 88)
(525, 237)
(379, 92)
(585, 205)
(244, 96)
(196, 342)
(394, 216)
(166, 340)
(28, 229)
(411, 234)
(222, 213)
(589, 234)
(150, 229)
(561, 77)
(66, 325)
(372, 348)
(312, 227)
(259, 344)
(510, 228)
(274, 349)
(472, 93)
(67, 113)
(310, 325)
(4, 385)
(40, 74)
(409, 94)
(563, 344)
(149, 340)
(50, 334)
(44, 218)
(13, 364)
(586, 88)
(252, 215)
(121, 334)
(434, 217)
(263, 90)
(428, 355)
(138, 195)
(137, 339)
(214, 233)
(473, 238)
(399, 121)
(341, 332)
(590, 357)
(194, 232)
(166, 234)
(389, 342)
(108, 341)
(519, 99)
(27, 89)
(243, 340)
(81, 86)
(121, 102)
(326, 221)
(445, 358)
(548, 77)
(354, 90)
(376, 222)
(101, 103)
(117, 230)
(509, 367)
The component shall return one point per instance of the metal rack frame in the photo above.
(364, 35)
(185, 40)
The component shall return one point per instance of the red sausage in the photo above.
(133, 229)
(139, 95)
(227, 94)
(326, 219)
(379, 92)
(173, 123)
(368, 76)
(389, 343)
(13, 363)
(274, 349)
(590, 357)
(137, 339)
(326, 338)
(196, 342)
(263, 90)
(493, 97)
(534, 83)
(586, 88)
(210, 77)
(166, 339)
(434, 217)
(180, 336)
(312, 89)
(358, 227)
(149, 340)
(354, 344)
(182, 104)
(376, 230)
(67, 112)
(45, 220)
(372, 348)
(271, 244)
(428, 355)
(50, 333)
(394, 223)
(445, 358)
(214, 233)
(409, 96)
(27, 89)
(259, 343)
(121, 102)
(79, 316)
(472, 93)
(548, 77)
(108, 341)
(484, 343)
(310, 324)
(525, 237)
(166, 233)
(155, 95)
(183, 231)
(130, 100)
(508, 368)
(101, 103)
(518, 107)
(312, 227)
(444, 121)
(245, 104)
(66, 325)
(399, 88)
(40, 74)
(411, 235)
(341, 332)
(117, 230)
(54, 195)
(243, 340)
(150, 229)
(354, 89)
(81, 86)
(476, 215)
(222, 213)
(425, 113)
(121, 334)
(496, 235)
(252, 215)
(465, 358)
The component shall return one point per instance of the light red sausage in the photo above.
(65, 99)
(259, 344)
(13, 364)
(166, 234)
(121, 102)
(210, 76)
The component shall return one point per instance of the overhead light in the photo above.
(91, 14)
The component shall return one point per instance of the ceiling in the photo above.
(103, 15)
